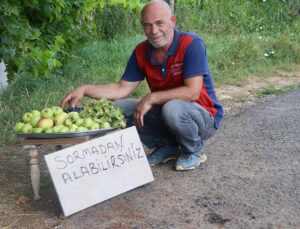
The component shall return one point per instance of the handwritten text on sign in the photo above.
(94, 171)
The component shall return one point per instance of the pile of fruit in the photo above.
(98, 114)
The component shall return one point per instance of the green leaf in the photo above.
(47, 10)
(60, 39)
(14, 10)
(116, 2)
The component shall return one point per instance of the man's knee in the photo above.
(172, 112)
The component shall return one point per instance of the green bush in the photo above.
(36, 35)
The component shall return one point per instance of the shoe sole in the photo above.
(164, 161)
(202, 160)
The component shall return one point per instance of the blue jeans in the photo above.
(186, 124)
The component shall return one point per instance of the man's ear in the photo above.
(173, 19)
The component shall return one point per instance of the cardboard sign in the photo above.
(94, 171)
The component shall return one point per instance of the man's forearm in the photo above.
(109, 91)
(182, 93)
(190, 91)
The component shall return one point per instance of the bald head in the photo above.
(160, 4)
(158, 23)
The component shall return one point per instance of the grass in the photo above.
(46, 183)
(102, 62)
(233, 58)
(276, 91)
(242, 39)
(242, 100)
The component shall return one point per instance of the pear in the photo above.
(45, 123)
(27, 128)
(60, 118)
(47, 113)
(34, 120)
(18, 127)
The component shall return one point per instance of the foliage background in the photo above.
(38, 35)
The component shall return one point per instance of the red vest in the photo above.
(174, 69)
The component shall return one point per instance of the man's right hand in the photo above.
(110, 91)
(73, 97)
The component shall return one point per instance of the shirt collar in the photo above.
(172, 49)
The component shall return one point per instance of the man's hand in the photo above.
(141, 109)
(73, 97)
(110, 91)
(189, 92)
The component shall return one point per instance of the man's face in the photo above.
(158, 24)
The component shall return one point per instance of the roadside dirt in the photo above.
(19, 210)
(235, 98)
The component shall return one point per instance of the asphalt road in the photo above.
(251, 180)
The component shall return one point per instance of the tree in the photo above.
(38, 35)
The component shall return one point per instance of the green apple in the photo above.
(47, 113)
(27, 116)
(68, 122)
(88, 122)
(60, 118)
(73, 128)
(79, 122)
(34, 120)
(18, 127)
(36, 113)
(37, 130)
(94, 126)
(82, 128)
(48, 130)
(74, 116)
(57, 128)
(27, 128)
(45, 123)
(64, 129)
(105, 125)
(56, 110)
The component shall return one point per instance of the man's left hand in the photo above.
(140, 110)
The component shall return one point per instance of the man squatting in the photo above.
(182, 110)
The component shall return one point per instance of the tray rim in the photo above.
(65, 134)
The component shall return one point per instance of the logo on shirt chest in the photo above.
(176, 68)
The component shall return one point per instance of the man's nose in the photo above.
(154, 29)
